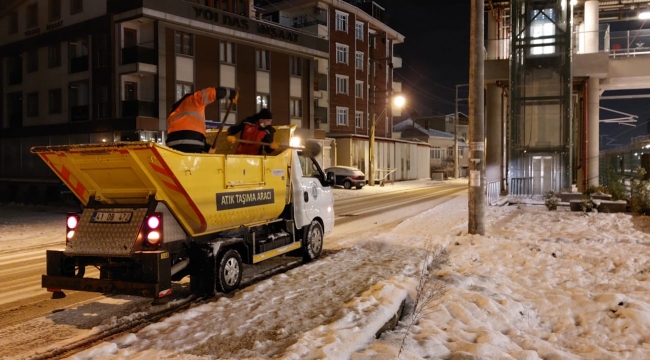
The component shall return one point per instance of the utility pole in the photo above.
(456, 174)
(476, 205)
(371, 110)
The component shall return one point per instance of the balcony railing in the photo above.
(79, 113)
(303, 24)
(132, 108)
(79, 64)
(137, 54)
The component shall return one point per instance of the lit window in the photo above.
(223, 104)
(542, 25)
(182, 89)
(262, 101)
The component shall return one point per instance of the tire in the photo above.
(229, 272)
(347, 184)
(359, 186)
(312, 241)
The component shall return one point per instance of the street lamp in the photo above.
(398, 101)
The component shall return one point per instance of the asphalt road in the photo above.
(22, 298)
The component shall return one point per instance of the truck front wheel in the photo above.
(312, 241)
(230, 271)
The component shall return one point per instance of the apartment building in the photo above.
(80, 71)
(354, 85)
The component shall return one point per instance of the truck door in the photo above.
(311, 199)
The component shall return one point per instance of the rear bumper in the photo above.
(153, 279)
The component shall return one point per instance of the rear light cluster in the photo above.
(71, 222)
(354, 176)
(153, 229)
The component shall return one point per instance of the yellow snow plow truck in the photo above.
(153, 215)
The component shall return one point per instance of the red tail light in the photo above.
(354, 176)
(71, 222)
(153, 229)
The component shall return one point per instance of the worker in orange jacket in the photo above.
(186, 121)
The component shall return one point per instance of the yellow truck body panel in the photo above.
(207, 193)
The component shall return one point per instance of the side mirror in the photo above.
(331, 178)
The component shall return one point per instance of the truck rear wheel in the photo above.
(312, 241)
(229, 272)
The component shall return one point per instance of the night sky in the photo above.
(435, 53)
(435, 57)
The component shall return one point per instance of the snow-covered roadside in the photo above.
(538, 285)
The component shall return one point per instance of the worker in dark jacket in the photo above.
(254, 128)
(186, 121)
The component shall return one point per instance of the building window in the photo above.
(223, 4)
(341, 116)
(358, 31)
(54, 101)
(184, 43)
(358, 89)
(76, 6)
(299, 21)
(358, 60)
(223, 104)
(15, 70)
(182, 89)
(32, 104)
(53, 10)
(295, 108)
(239, 7)
(54, 56)
(226, 53)
(341, 21)
(13, 22)
(32, 61)
(341, 84)
(542, 25)
(32, 15)
(358, 119)
(341, 53)
(262, 102)
(295, 66)
(262, 59)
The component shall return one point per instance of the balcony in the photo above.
(79, 113)
(136, 54)
(133, 108)
(79, 64)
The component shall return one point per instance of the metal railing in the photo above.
(521, 186)
(493, 189)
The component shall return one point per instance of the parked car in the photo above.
(348, 176)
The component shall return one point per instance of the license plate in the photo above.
(111, 217)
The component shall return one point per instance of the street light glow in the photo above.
(644, 15)
(399, 101)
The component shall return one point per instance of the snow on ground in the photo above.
(537, 285)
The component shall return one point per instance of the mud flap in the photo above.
(203, 270)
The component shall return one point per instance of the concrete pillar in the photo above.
(492, 43)
(493, 135)
(591, 26)
(593, 112)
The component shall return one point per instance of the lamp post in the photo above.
(398, 101)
